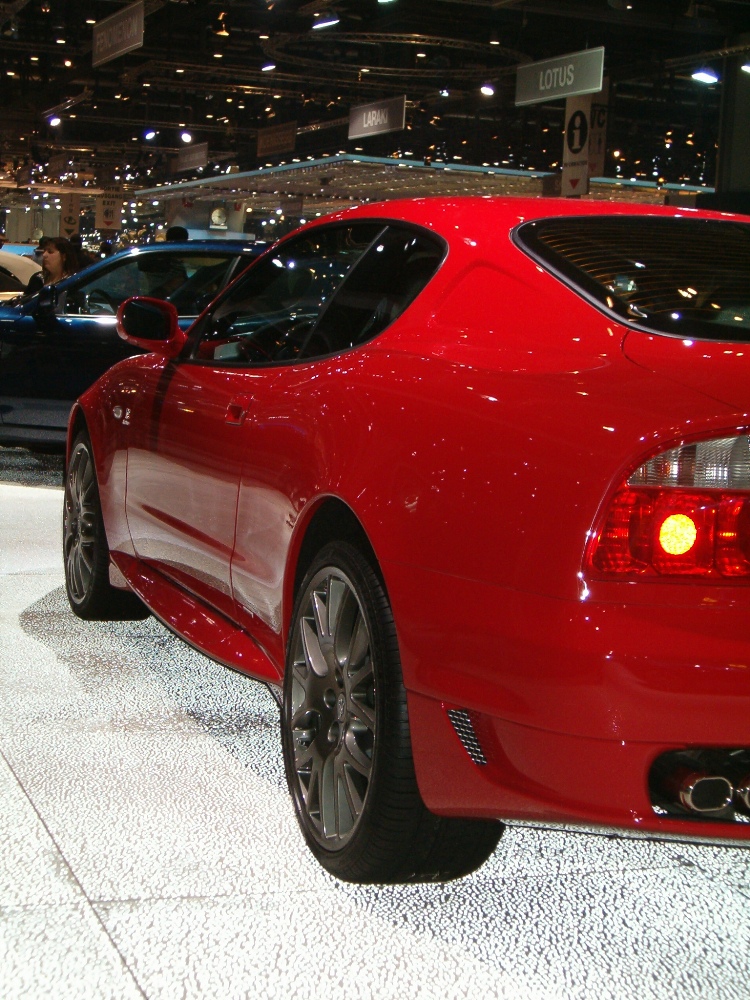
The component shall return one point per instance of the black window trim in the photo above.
(590, 290)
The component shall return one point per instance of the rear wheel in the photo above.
(345, 731)
(85, 549)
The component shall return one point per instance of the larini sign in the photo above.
(564, 76)
(377, 118)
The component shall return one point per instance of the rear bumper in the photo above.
(572, 701)
(538, 776)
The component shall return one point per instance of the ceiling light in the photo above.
(149, 134)
(268, 67)
(218, 55)
(444, 92)
(186, 137)
(327, 21)
(220, 27)
(745, 67)
(705, 75)
(55, 121)
(487, 89)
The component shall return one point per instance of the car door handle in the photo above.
(237, 410)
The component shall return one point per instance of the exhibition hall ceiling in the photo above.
(221, 72)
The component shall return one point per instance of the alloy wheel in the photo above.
(80, 522)
(333, 715)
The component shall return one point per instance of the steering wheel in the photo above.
(99, 302)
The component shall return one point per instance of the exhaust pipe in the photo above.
(700, 792)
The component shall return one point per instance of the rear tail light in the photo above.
(684, 513)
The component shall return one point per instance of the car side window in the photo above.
(270, 313)
(188, 280)
(389, 277)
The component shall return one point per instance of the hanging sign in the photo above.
(377, 118)
(70, 215)
(190, 158)
(109, 210)
(564, 76)
(575, 172)
(118, 34)
(276, 139)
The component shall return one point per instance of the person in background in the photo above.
(177, 234)
(58, 261)
(84, 257)
(39, 248)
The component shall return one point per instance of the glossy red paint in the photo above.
(476, 441)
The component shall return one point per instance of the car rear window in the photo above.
(685, 277)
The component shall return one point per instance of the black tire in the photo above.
(85, 550)
(345, 734)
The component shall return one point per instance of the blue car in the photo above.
(56, 343)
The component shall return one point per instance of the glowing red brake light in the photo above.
(646, 532)
(660, 525)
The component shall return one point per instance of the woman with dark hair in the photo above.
(59, 260)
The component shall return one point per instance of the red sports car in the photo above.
(467, 482)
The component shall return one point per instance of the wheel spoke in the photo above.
(347, 801)
(353, 756)
(357, 678)
(338, 594)
(355, 800)
(86, 558)
(359, 644)
(344, 812)
(363, 713)
(311, 792)
(313, 653)
(320, 613)
(328, 797)
(77, 578)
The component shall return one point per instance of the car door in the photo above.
(61, 342)
(200, 423)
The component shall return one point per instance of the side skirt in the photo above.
(200, 626)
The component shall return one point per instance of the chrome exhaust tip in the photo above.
(700, 792)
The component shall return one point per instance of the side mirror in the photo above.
(46, 302)
(152, 325)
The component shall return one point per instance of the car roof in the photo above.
(22, 267)
(442, 213)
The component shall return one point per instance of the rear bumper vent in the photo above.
(461, 720)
